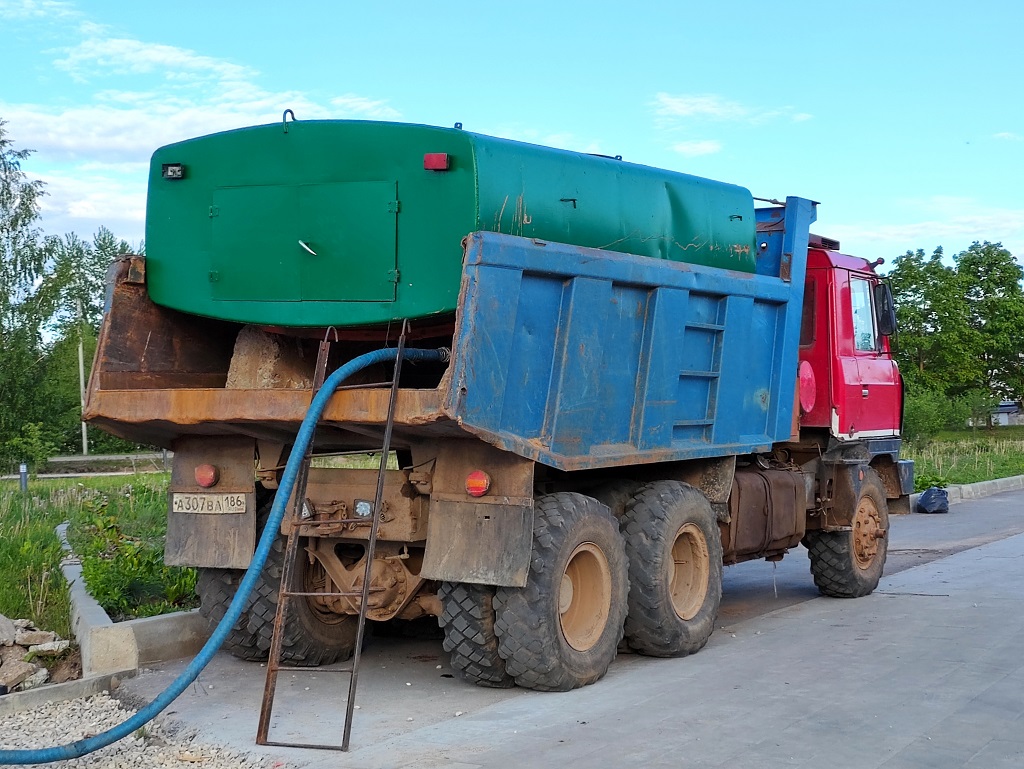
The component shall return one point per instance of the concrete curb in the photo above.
(976, 490)
(111, 651)
(83, 687)
(114, 647)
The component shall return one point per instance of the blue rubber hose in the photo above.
(270, 531)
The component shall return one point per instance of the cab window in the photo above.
(864, 339)
(809, 317)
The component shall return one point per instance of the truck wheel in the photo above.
(615, 494)
(216, 588)
(562, 630)
(312, 636)
(468, 622)
(848, 564)
(675, 569)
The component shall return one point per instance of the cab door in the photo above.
(872, 396)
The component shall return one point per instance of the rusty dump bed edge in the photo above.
(160, 374)
(160, 416)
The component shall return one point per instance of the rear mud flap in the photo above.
(485, 544)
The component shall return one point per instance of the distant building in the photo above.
(1008, 413)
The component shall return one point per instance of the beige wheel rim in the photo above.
(689, 572)
(867, 531)
(585, 597)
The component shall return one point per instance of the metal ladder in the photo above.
(288, 591)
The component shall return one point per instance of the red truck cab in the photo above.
(849, 382)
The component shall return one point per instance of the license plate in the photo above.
(208, 503)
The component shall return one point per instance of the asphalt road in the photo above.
(921, 673)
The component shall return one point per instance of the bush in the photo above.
(927, 412)
(924, 481)
(31, 447)
(126, 574)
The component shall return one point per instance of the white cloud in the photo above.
(673, 109)
(20, 10)
(705, 105)
(953, 223)
(193, 95)
(117, 168)
(351, 105)
(1009, 136)
(697, 147)
(99, 55)
(80, 199)
(134, 97)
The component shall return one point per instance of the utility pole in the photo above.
(81, 379)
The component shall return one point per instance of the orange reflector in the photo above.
(436, 161)
(478, 483)
(207, 476)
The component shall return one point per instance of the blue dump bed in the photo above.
(580, 358)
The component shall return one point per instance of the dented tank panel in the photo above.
(358, 223)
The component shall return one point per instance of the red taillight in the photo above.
(207, 476)
(436, 161)
(478, 483)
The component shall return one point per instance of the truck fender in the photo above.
(486, 540)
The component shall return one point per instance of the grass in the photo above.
(31, 583)
(120, 540)
(969, 456)
(118, 525)
(117, 528)
(357, 461)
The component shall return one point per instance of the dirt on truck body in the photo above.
(611, 428)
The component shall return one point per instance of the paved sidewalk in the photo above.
(926, 672)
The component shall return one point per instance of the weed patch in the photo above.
(119, 538)
(967, 457)
(31, 583)
(117, 527)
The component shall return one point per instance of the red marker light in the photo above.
(436, 161)
(207, 476)
(478, 483)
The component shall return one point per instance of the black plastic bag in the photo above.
(933, 500)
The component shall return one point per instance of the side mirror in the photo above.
(885, 309)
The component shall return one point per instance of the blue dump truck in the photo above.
(646, 381)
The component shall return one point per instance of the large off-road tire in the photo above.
(675, 569)
(562, 630)
(216, 588)
(615, 494)
(848, 564)
(468, 622)
(311, 636)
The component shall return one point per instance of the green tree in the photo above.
(22, 260)
(926, 412)
(51, 302)
(990, 279)
(76, 277)
(936, 346)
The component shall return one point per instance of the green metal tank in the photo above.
(357, 223)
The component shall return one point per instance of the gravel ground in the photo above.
(158, 744)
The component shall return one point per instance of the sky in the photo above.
(904, 118)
